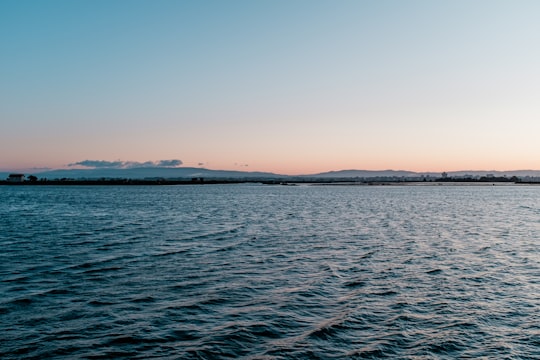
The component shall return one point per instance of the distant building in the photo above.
(15, 178)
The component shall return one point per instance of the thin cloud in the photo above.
(99, 164)
(104, 164)
(169, 163)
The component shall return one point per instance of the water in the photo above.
(270, 272)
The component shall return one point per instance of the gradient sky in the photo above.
(292, 87)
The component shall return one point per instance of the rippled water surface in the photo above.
(270, 272)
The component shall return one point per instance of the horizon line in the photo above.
(38, 170)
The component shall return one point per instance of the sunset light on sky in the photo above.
(291, 87)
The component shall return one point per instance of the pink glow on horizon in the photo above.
(366, 85)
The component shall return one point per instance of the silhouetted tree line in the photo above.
(513, 179)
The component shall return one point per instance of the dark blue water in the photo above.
(270, 272)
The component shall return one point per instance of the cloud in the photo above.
(98, 164)
(136, 164)
(104, 164)
(169, 163)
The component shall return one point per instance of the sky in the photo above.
(286, 86)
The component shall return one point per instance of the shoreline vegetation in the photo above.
(276, 181)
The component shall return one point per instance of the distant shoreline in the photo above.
(325, 182)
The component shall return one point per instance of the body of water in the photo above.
(270, 272)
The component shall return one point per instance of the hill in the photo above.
(190, 173)
(150, 173)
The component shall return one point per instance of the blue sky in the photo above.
(283, 86)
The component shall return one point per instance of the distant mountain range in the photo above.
(404, 173)
(189, 173)
(370, 173)
(147, 173)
